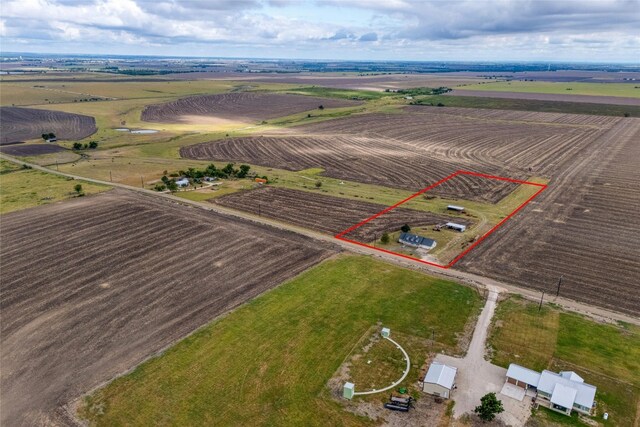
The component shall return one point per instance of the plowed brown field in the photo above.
(93, 286)
(238, 106)
(584, 227)
(421, 146)
(326, 213)
(18, 124)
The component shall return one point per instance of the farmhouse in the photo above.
(563, 392)
(182, 182)
(440, 380)
(417, 241)
(458, 227)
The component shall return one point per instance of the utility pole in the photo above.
(141, 182)
(559, 283)
(259, 209)
(541, 298)
(110, 178)
(57, 165)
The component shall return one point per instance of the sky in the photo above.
(420, 30)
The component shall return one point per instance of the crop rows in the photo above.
(327, 213)
(19, 124)
(238, 106)
(93, 286)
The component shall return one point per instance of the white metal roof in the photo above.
(455, 207)
(523, 374)
(585, 393)
(563, 395)
(571, 376)
(441, 374)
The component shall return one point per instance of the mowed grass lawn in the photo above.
(627, 90)
(268, 362)
(26, 188)
(605, 355)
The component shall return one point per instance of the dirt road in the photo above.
(460, 276)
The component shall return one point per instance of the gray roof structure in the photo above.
(415, 240)
(523, 374)
(585, 393)
(441, 374)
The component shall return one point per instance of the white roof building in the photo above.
(524, 376)
(584, 393)
(440, 379)
(565, 391)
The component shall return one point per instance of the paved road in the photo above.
(479, 282)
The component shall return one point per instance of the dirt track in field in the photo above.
(614, 100)
(237, 106)
(19, 124)
(93, 286)
(327, 214)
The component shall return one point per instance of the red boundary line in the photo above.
(339, 236)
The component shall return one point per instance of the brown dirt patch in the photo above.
(92, 287)
(237, 107)
(19, 124)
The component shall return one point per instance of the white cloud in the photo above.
(394, 28)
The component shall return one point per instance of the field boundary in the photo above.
(340, 236)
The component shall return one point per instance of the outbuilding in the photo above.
(455, 226)
(182, 182)
(522, 377)
(440, 380)
(455, 208)
(417, 241)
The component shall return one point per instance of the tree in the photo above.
(489, 407)
(45, 136)
(244, 170)
(385, 238)
(160, 187)
(405, 228)
(77, 146)
(321, 107)
(165, 180)
(172, 186)
(318, 184)
(78, 189)
(93, 145)
(228, 169)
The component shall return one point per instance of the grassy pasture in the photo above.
(268, 362)
(339, 93)
(607, 356)
(531, 105)
(627, 90)
(21, 189)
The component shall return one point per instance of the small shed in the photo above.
(348, 390)
(440, 380)
(455, 226)
(261, 180)
(455, 208)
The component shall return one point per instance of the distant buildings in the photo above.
(417, 241)
(182, 182)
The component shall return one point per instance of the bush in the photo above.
(405, 228)
(78, 189)
(385, 238)
(318, 184)
(160, 187)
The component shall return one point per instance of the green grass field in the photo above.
(607, 356)
(26, 188)
(627, 90)
(268, 362)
